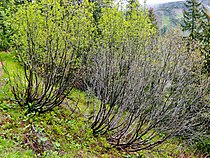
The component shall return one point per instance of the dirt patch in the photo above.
(1, 69)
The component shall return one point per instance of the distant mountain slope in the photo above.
(170, 15)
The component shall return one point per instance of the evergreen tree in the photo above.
(205, 37)
(192, 17)
(197, 23)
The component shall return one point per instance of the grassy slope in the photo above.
(60, 133)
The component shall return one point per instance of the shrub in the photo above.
(150, 89)
(51, 40)
(5, 28)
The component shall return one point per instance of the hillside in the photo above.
(85, 80)
(170, 15)
(64, 132)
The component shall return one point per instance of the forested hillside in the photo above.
(170, 15)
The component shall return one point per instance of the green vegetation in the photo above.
(169, 15)
(197, 24)
(91, 79)
(63, 132)
(5, 30)
(192, 18)
(54, 134)
(173, 12)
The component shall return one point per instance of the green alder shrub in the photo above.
(150, 87)
(6, 31)
(51, 40)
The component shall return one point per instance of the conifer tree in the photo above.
(192, 17)
(205, 36)
(197, 23)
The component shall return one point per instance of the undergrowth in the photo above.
(62, 132)
(58, 133)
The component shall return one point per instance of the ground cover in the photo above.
(63, 132)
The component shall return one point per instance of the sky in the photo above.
(158, 1)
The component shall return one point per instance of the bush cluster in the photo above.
(149, 87)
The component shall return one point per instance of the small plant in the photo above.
(203, 146)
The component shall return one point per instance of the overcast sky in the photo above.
(158, 1)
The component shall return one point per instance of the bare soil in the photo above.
(1, 69)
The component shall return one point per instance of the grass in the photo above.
(58, 134)
(8, 60)
(7, 150)
(64, 132)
